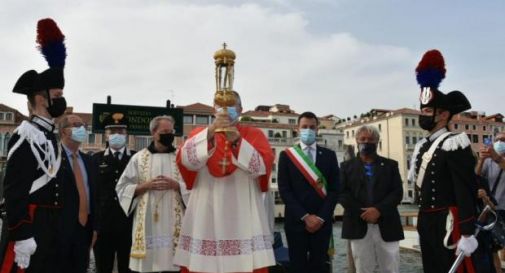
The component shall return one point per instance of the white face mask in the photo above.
(117, 141)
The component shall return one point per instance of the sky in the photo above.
(341, 57)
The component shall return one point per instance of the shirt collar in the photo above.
(43, 122)
(153, 150)
(69, 152)
(438, 133)
(304, 146)
(121, 150)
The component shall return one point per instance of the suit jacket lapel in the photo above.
(358, 166)
(66, 161)
(319, 159)
(379, 168)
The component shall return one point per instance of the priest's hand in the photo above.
(370, 215)
(222, 120)
(168, 183)
(160, 183)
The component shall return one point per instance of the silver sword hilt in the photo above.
(482, 216)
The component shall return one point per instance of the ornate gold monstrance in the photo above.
(224, 97)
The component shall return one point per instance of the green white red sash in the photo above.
(314, 177)
(308, 169)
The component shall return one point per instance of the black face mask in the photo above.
(167, 139)
(57, 107)
(427, 122)
(367, 148)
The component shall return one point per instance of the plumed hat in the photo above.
(429, 73)
(52, 46)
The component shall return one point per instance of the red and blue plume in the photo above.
(431, 69)
(51, 43)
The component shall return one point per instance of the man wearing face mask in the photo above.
(442, 168)
(77, 174)
(370, 193)
(490, 166)
(308, 184)
(226, 226)
(32, 188)
(114, 226)
(151, 188)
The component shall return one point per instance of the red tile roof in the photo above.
(198, 108)
(18, 117)
(266, 114)
(268, 125)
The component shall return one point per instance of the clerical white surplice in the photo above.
(157, 214)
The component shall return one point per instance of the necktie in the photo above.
(79, 183)
(116, 155)
(308, 152)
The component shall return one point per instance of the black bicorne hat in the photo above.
(429, 73)
(52, 47)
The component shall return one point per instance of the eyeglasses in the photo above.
(76, 125)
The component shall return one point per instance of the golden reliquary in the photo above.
(224, 96)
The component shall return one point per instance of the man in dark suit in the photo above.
(308, 184)
(370, 193)
(114, 226)
(77, 172)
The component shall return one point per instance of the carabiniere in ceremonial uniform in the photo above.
(442, 168)
(32, 189)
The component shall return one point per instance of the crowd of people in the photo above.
(201, 207)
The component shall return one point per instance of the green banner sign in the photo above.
(138, 117)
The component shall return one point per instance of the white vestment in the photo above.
(225, 228)
(158, 214)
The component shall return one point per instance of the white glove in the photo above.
(467, 245)
(24, 249)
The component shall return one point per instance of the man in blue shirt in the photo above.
(371, 191)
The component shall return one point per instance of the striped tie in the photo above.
(79, 183)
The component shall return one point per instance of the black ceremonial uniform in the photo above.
(32, 189)
(446, 178)
(448, 184)
(31, 215)
(114, 227)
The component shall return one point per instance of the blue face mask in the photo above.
(79, 134)
(117, 141)
(499, 147)
(307, 136)
(232, 113)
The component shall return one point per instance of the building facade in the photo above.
(399, 132)
(10, 119)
